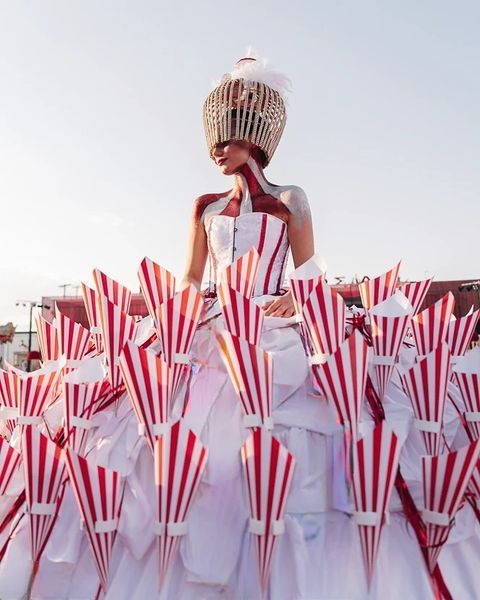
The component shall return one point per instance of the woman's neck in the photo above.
(250, 181)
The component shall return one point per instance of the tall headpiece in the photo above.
(248, 104)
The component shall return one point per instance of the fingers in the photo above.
(279, 309)
(271, 307)
(266, 305)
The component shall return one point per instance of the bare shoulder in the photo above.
(295, 199)
(206, 202)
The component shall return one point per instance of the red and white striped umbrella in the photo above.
(156, 284)
(445, 480)
(343, 378)
(177, 320)
(90, 299)
(44, 468)
(149, 381)
(415, 292)
(375, 465)
(374, 291)
(117, 328)
(251, 370)
(180, 460)
(73, 340)
(79, 405)
(241, 274)
(302, 282)
(99, 492)
(35, 392)
(116, 293)
(426, 386)
(241, 316)
(474, 484)
(460, 333)
(430, 327)
(9, 463)
(389, 321)
(466, 373)
(324, 317)
(47, 339)
(268, 468)
(301, 289)
(304, 279)
(8, 399)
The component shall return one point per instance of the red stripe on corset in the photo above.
(272, 260)
(263, 232)
(280, 273)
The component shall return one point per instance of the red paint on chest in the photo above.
(264, 203)
(202, 202)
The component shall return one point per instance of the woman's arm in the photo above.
(197, 250)
(300, 236)
(300, 228)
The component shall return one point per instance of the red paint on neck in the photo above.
(254, 185)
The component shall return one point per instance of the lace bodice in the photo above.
(231, 237)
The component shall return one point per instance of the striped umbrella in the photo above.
(375, 464)
(241, 316)
(303, 281)
(430, 327)
(241, 274)
(343, 378)
(268, 468)
(9, 463)
(79, 405)
(389, 321)
(117, 328)
(445, 480)
(149, 381)
(44, 469)
(251, 371)
(73, 340)
(466, 373)
(114, 291)
(474, 485)
(156, 284)
(374, 291)
(8, 399)
(90, 299)
(47, 339)
(460, 333)
(35, 392)
(301, 289)
(324, 317)
(180, 460)
(99, 493)
(426, 386)
(177, 320)
(416, 292)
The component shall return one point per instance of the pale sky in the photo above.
(102, 149)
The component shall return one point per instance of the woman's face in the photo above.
(231, 155)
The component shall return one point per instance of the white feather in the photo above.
(259, 70)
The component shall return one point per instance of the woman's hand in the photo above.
(280, 307)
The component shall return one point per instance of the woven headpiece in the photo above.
(247, 105)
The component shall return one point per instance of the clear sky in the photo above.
(102, 149)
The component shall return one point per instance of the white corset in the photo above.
(231, 237)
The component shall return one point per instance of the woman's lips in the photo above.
(220, 161)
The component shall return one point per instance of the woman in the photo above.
(319, 554)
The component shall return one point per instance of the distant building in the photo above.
(16, 351)
(73, 306)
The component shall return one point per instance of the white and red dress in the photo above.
(319, 554)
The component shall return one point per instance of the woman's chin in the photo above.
(225, 170)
